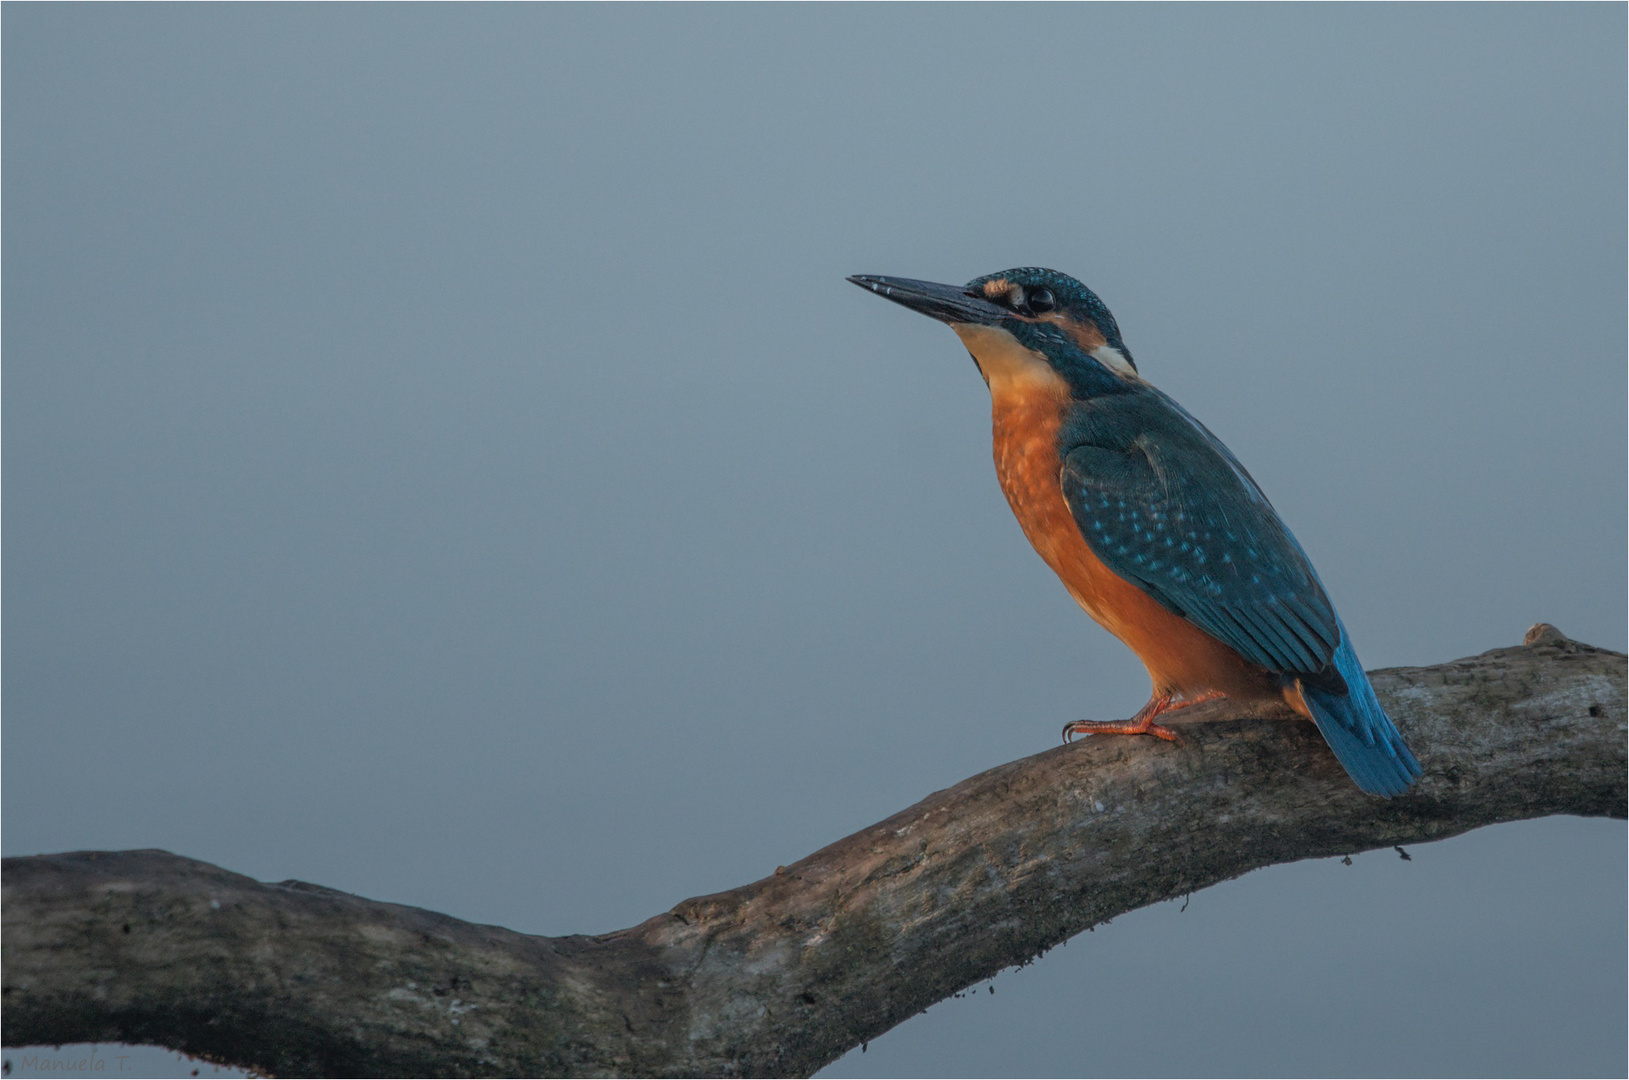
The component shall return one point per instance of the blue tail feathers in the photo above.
(1363, 737)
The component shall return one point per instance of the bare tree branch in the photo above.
(782, 976)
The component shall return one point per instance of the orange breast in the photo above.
(1181, 659)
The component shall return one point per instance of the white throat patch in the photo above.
(1005, 363)
(1115, 361)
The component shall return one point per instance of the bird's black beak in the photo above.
(947, 303)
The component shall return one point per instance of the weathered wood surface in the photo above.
(783, 975)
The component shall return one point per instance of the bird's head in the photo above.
(1023, 324)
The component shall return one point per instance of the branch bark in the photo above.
(781, 976)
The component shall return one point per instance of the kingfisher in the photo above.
(1152, 524)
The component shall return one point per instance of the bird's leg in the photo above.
(1143, 722)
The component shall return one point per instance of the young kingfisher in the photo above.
(1152, 524)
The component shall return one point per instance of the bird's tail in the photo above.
(1363, 737)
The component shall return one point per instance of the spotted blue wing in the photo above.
(1204, 542)
(1164, 504)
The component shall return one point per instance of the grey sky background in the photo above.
(443, 460)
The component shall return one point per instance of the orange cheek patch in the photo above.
(1084, 334)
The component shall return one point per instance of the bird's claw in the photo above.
(1133, 726)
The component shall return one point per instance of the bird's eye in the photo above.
(1040, 301)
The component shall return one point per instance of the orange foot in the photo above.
(1143, 722)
